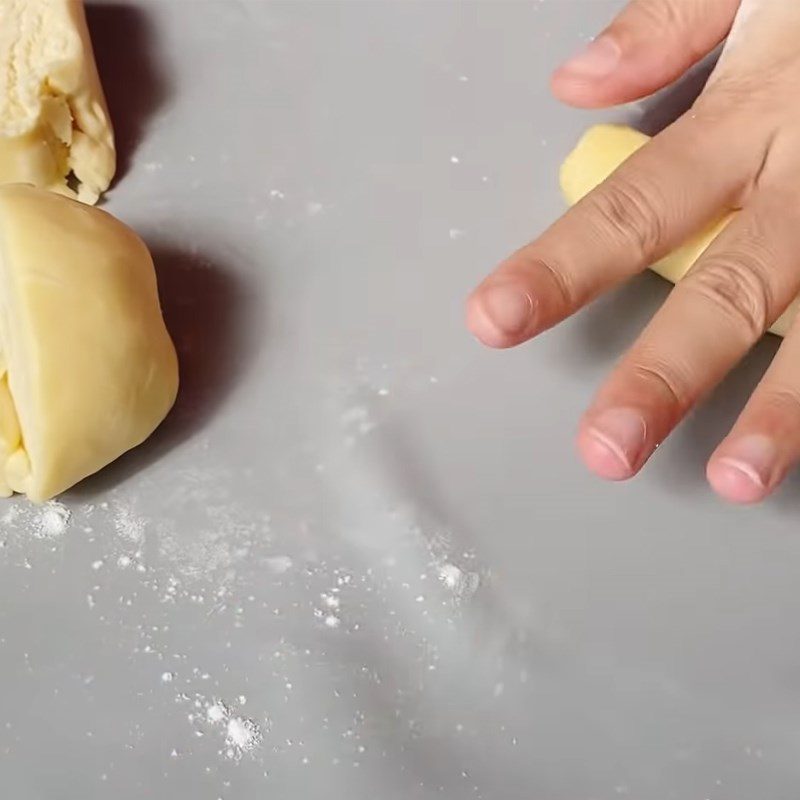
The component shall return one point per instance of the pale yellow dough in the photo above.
(53, 116)
(87, 368)
(601, 150)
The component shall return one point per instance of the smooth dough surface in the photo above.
(87, 368)
(601, 150)
(54, 120)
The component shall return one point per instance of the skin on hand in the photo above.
(739, 147)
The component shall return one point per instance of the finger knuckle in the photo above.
(566, 294)
(717, 119)
(671, 18)
(666, 379)
(784, 399)
(732, 91)
(719, 103)
(626, 208)
(737, 285)
(667, 17)
(661, 14)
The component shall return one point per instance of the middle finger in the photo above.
(649, 205)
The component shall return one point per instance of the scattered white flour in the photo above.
(11, 515)
(314, 208)
(128, 526)
(242, 736)
(331, 600)
(217, 712)
(450, 575)
(53, 520)
(461, 582)
(328, 616)
(454, 159)
(210, 554)
(279, 564)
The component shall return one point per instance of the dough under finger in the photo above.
(599, 152)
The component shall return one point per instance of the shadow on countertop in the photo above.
(135, 85)
(216, 323)
(208, 310)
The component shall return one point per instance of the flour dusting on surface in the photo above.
(128, 525)
(463, 584)
(242, 736)
(53, 520)
(279, 564)
(185, 581)
(10, 515)
(217, 712)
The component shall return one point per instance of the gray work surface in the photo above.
(361, 559)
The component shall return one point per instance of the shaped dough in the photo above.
(53, 116)
(87, 368)
(601, 150)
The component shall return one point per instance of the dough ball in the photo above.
(53, 116)
(601, 150)
(87, 368)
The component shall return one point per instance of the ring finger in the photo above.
(710, 320)
(765, 441)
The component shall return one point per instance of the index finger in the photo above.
(653, 202)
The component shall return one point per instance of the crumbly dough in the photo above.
(54, 122)
(601, 150)
(87, 368)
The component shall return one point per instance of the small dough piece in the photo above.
(87, 368)
(601, 150)
(54, 121)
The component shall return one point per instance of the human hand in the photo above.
(739, 147)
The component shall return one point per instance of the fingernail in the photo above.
(746, 470)
(598, 59)
(509, 308)
(618, 435)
